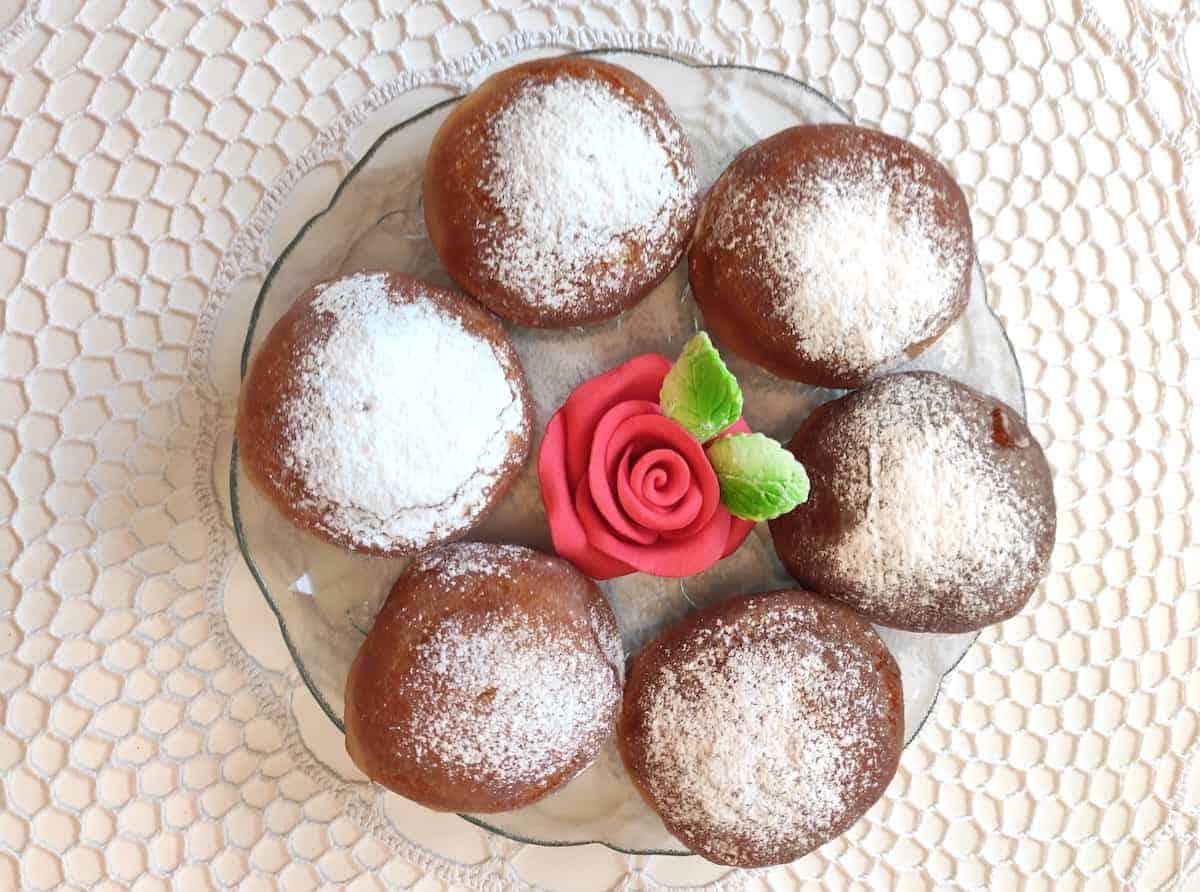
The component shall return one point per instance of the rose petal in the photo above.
(660, 477)
(601, 475)
(593, 518)
(739, 529)
(669, 558)
(656, 431)
(566, 530)
(644, 512)
(639, 379)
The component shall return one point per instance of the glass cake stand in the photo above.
(326, 598)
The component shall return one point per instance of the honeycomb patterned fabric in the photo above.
(155, 156)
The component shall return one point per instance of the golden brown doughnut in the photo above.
(931, 505)
(828, 253)
(763, 727)
(384, 414)
(560, 192)
(490, 678)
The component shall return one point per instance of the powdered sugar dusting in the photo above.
(939, 522)
(403, 418)
(608, 636)
(579, 171)
(462, 563)
(763, 738)
(517, 702)
(854, 255)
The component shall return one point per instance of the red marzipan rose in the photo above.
(628, 489)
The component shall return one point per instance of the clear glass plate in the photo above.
(325, 598)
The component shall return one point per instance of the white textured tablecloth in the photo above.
(156, 155)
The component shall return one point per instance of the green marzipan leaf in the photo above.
(760, 480)
(699, 392)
